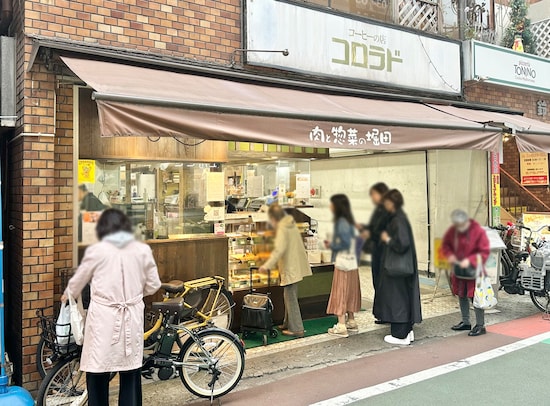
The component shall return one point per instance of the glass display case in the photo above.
(250, 245)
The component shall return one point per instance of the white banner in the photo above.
(514, 69)
(327, 44)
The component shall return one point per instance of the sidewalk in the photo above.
(277, 366)
(426, 373)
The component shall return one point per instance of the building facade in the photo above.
(41, 150)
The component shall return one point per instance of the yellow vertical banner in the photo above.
(86, 171)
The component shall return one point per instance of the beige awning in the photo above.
(138, 101)
(531, 135)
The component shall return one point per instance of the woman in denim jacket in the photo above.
(345, 295)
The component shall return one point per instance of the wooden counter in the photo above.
(194, 256)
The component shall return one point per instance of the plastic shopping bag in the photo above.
(484, 295)
(63, 325)
(77, 319)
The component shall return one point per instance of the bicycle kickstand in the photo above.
(212, 399)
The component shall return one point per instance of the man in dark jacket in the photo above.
(88, 202)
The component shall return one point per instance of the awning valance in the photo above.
(139, 101)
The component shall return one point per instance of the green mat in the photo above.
(311, 327)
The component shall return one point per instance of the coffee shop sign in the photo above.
(339, 136)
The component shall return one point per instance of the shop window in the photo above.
(376, 9)
(162, 199)
(173, 199)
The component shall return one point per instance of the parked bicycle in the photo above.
(210, 361)
(206, 301)
(527, 270)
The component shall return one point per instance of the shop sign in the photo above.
(542, 108)
(341, 137)
(327, 44)
(495, 188)
(534, 168)
(86, 171)
(504, 66)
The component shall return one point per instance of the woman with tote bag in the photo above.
(466, 246)
(397, 299)
(121, 271)
(345, 295)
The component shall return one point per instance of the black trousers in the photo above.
(129, 390)
(400, 330)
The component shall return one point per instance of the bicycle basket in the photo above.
(58, 337)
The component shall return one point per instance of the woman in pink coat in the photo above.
(121, 271)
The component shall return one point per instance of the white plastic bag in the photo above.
(484, 295)
(63, 325)
(76, 319)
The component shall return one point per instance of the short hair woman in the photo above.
(121, 272)
(397, 299)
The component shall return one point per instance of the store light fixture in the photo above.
(245, 51)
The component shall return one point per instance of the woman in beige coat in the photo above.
(290, 256)
(121, 272)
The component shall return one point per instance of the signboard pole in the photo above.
(495, 188)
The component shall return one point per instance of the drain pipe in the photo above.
(6, 16)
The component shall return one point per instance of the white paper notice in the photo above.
(255, 186)
(215, 187)
(303, 186)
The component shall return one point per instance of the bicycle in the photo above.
(206, 300)
(210, 362)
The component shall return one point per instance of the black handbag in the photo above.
(398, 265)
(465, 273)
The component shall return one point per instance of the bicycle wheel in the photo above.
(44, 356)
(541, 300)
(218, 375)
(65, 384)
(222, 312)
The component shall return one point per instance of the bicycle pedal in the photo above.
(148, 374)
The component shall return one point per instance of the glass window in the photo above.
(163, 200)
(376, 9)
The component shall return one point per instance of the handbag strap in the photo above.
(76, 302)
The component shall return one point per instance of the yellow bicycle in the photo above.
(206, 302)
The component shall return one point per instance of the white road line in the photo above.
(379, 389)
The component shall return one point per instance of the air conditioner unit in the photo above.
(7, 82)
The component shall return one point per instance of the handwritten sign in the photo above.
(534, 168)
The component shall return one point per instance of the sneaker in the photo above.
(411, 336)
(351, 325)
(397, 341)
(339, 330)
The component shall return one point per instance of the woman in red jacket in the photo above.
(464, 243)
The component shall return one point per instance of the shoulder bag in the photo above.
(398, 265)
(347, 260)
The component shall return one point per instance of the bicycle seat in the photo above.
(171, 306)
(174, 286)
(522, 255)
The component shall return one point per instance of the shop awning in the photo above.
(139, 101)
(531, 135)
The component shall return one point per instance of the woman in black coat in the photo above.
(372, 232)
(397, 298)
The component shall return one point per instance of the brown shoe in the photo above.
(282, 327)
(299, 334)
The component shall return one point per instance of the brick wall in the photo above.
(40, 184)
(200, 29)
(522, 100)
